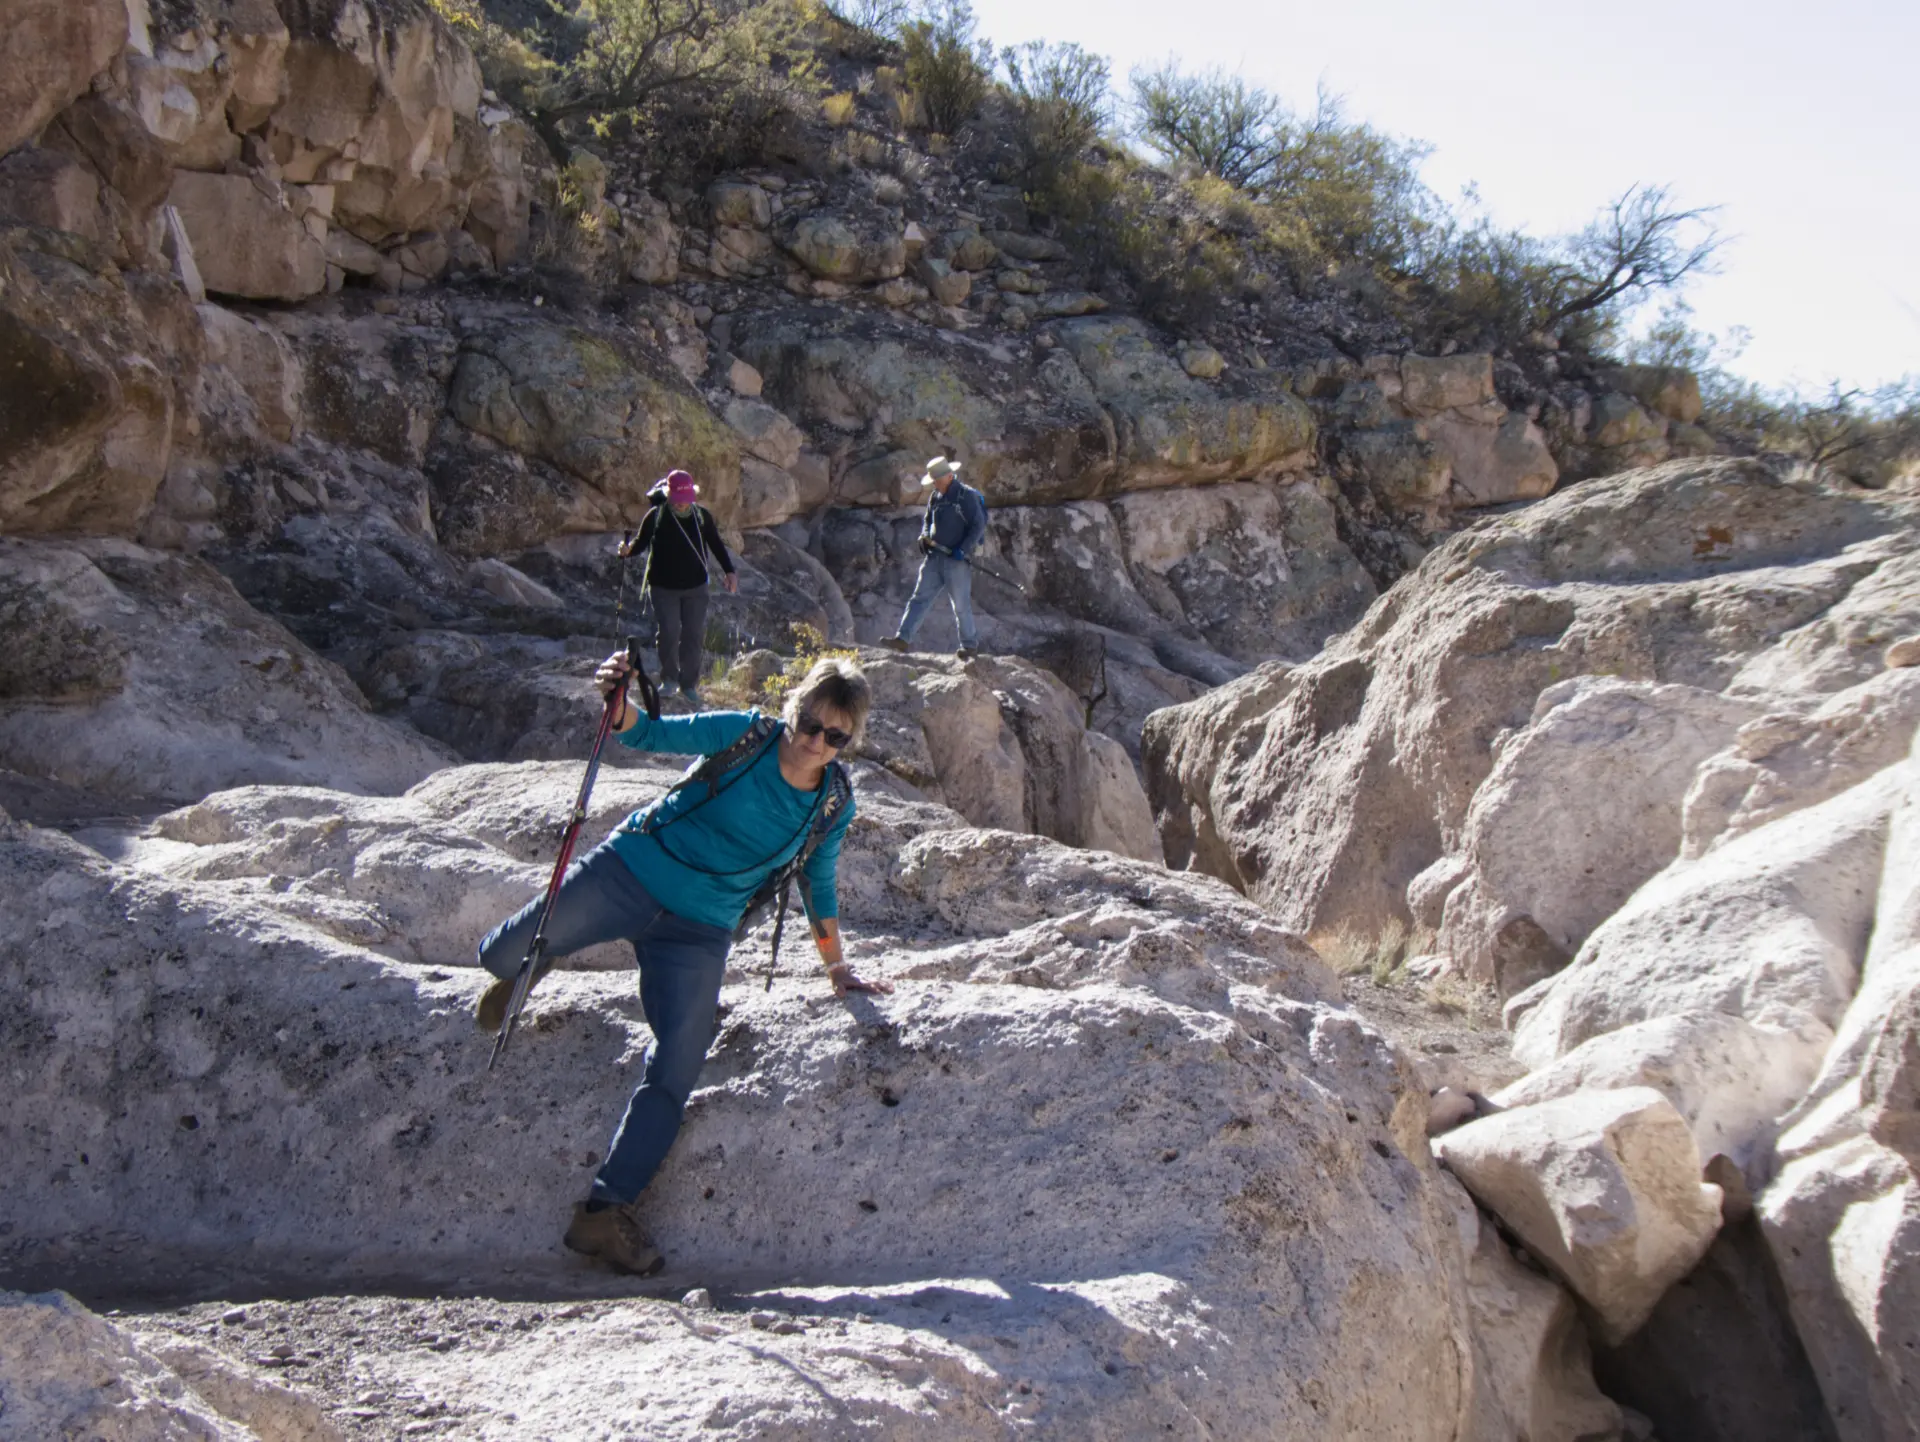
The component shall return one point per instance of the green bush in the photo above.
(947, 67)
(1059, 95)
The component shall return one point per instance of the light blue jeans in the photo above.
(681, 965)
(939, 572)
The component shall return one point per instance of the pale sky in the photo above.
(1801, 121)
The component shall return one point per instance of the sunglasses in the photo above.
(836, 738)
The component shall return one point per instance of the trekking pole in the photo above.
(990, 572)
(536, 949)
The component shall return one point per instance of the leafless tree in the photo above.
(1215, 122)
(1639, 244)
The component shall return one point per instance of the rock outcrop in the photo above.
(1604, 1187)
(65, 1372)
(144, 674)
(1041, 1134)
(1360, 768)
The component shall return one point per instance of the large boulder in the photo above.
(55, 48)
(1771, 928)
(1171, 1181)
(611, 417)
(1532, 1365)
(924, 393)
(1171, 429)
(855, 248)
(1787, 760)
(370, 381)
(1427, 434)
(1842, 1217)
(1726, 576)
(143, 673)
(93, 366)
(380, 104)
(246, 240)
(1006, 744)
(1730, 1078)
(1604, 1187)
(1582, 806)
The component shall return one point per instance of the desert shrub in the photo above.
(1059, 95)
(947, 67)
(1487, 286)
(1213, 122)
(1181, 268)
(808, 646)
(510, 66)
(838, 110)
(1347, 191)
(1381, 955)
(881, 19)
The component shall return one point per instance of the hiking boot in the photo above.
(894, 643)
(613, 1236)
(967, 653)
(668, 690)
(691, 697)
(491, 1010)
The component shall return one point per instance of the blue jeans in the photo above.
(939, 573)
(681, 965)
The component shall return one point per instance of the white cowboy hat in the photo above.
(938, 468)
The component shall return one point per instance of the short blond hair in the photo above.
(835, 681)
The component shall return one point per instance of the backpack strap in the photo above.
(718, 771)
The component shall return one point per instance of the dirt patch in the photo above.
(1450, 1029)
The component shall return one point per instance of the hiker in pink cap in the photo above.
(683, 546)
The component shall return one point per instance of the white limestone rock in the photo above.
(65, 1372)
(1342, 788)
(1786, 760)
(1532, 1365)
(1771, 928)
(1730, 1079)
(1225, 1197)
(1603, 1187)
(1626, 750)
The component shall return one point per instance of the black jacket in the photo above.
(681, 552)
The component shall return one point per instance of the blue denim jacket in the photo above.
(957, 520)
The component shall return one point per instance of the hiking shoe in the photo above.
(894, 643)
(668, 690)
(491, 1010)
(613, 1236)
(967, 653)
(691, 697)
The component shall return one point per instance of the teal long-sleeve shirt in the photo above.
(708, 866)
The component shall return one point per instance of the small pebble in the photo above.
(234, 1315)
(283, 1351)
(700, 1299)
(787, 1329)
(763, 1320)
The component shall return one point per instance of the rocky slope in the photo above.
(325, 394)
(1641, 758)
(1110, 1109)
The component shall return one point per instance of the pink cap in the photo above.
(680, 488)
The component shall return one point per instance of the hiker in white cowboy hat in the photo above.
(955, 523)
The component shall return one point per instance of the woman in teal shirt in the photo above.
(708, 847)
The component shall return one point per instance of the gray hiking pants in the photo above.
(683, 634)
